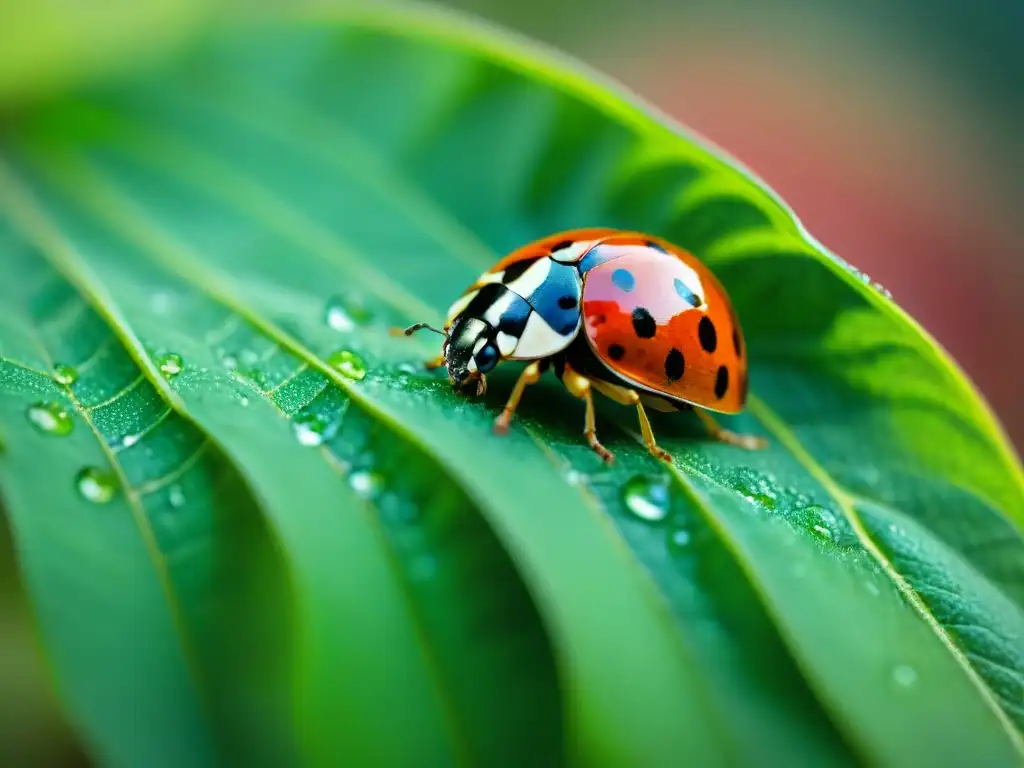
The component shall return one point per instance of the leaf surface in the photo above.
(269, 206)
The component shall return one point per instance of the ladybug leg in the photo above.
(437, 362)
(750, 442)
(625, 396)
(529, 375)
(579, 386)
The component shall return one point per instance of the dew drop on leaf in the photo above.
(65, 375)
(647, 497)
(310, 428)
(129, 440)
(365, 483)
(230, 362)
(819, 521)
(176, 496)
(50, 418)
(170, 365)
(244, 401)
(904, 676)
(348, 364)
(679, 538)
(343, 313)
(758, 488)
(96, 485)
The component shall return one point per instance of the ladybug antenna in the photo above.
(422, 326)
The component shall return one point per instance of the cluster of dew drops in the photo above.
(99, 486)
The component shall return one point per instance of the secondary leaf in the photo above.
(269, 206)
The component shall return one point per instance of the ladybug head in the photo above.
(469, 353)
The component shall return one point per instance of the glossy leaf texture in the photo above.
(318, 553)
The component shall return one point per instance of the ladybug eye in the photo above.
(486, 358)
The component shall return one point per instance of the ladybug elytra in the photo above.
(629, 315)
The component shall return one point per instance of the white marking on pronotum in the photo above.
(541, 340)
(574, 252)
(492, 316)
(460, 304)
(531, 279)
(506, 343)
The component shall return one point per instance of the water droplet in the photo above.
(175, 496)
(248, 357)
(343, 313)
(170, 365)
(244, 401)
(872, 588)
(230, 362)
(410, 368)
(904, 676)
(96, 485)
(647, 497)
(129, 440)
(758, 488)
(311, 429)
(365, 483)
(820, 521)
(348, 364)
(65, 375)
(680, 538)
(50, 418)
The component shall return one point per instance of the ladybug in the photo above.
(629, 315)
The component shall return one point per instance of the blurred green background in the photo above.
(893, 127)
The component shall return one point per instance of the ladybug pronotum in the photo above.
(629, 315)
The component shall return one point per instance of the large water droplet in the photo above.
(170, 365)
(230, 362)
(50, 418)
(343, 313)
(647, 497)
(310, 428)
(365, 483)
(904, 675)
(96, 485)
(348, 364)
(65, 375)
(129, 440)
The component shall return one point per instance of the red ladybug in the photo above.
(629, 315)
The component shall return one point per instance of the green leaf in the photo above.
(266, 209)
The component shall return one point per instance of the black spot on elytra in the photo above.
(707, 334)
(744, 387)
(616, 351)
(560, 246)
(643, 323)
(736, 342)
(674, 364)
(567, 302)
(721, 382)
